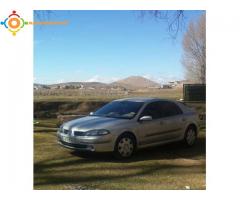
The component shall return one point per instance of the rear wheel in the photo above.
(125, 146)
(190, 136)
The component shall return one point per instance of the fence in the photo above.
(194, 92)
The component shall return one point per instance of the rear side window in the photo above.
(161, 109)
(170, 109)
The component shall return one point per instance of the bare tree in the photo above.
(174, 19)
(194, 51)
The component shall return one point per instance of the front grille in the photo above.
(79, 133)
(80, 146)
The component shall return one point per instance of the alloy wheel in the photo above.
(125, 147)
(190, 137)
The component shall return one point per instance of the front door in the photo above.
(150, 131)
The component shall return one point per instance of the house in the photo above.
(166, 86)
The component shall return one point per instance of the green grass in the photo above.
(166, 167)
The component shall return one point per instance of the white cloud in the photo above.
(161, 78)
(97, 78)
(44, 80)
(102, 79)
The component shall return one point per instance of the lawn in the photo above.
(166, 167)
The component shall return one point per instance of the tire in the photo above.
(190, 136)
(125, 146)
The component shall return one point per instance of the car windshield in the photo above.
(119, 109)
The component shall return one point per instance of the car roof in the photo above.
(142, 99)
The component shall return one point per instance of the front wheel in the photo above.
(190, 136)
(125, 146)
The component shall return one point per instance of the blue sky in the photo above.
(106, 46)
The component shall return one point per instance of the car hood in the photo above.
(93, 122)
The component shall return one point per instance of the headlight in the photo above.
(97, 132)
(61, 129)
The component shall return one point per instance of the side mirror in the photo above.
(145, 118)
(91, 113)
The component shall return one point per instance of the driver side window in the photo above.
(152, 110)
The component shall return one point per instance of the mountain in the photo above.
(130, 83)
(79, 84)
(135, 82)
(40, 86)
(72, 85)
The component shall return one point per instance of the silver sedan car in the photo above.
(125, 125)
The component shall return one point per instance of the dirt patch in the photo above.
(53, 109)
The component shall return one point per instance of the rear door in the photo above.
(172, 119)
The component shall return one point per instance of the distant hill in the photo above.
(80, 84)
(129, 83)
(135, 82)
(40, 86)
(69, 85)
(76, 85)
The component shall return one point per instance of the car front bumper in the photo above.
(84, 143)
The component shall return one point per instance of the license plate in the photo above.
(66, 139)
